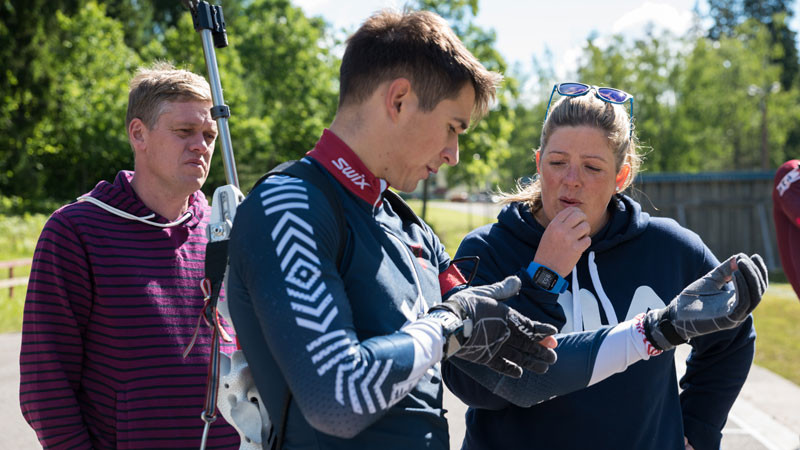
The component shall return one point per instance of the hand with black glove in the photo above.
(706, 306)
(480, 329)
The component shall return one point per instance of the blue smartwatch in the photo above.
(546, 279)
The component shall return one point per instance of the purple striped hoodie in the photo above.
(111, 304)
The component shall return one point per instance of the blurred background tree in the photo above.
(719, 98)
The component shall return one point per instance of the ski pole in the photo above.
(210, 23)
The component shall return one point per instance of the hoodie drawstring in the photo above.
(577, 313)
(126, 215)
(608, 308)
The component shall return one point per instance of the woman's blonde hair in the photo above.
(586, 110)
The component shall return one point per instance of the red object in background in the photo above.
(786, 212)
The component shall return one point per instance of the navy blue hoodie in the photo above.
(635, 263)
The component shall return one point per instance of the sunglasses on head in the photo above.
(606, 94)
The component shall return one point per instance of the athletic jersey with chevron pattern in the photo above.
(330, 335)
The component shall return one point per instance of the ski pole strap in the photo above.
(210, 314)
(216, 262)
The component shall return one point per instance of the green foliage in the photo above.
(18, 235)
(778, 339)
(485, 148)
(85, 138)
(11, 307)
(709, 100)
(450, 226)
(291, 80)
(64, 89)
(702, 104)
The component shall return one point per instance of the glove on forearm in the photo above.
(498, 336)
(706, 306)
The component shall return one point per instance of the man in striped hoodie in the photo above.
(114, 292)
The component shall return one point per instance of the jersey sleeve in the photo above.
(57, 308)
(283, 254)
(584, 358)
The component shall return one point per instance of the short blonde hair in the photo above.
(586, 110)
(153, 86)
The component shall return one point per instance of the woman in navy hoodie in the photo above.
(588, 256)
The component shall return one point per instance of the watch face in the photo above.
(545, 278)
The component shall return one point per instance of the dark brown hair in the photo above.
(419, 46)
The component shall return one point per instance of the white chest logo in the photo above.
(643, 298)
(787, 181)
(357, 178)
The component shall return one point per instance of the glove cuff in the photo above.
(450, 306)
(452, 330)
(659, 330)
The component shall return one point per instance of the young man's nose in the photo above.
(450, 154)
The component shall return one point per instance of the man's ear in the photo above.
(397, 95)
(137, 135)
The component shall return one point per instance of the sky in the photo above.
(527, 28)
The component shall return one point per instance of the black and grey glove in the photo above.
(480, 329)
(706, 306)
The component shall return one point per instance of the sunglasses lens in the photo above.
(613, 95)
(573, 88)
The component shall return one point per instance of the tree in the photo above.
(84, 138)
(727, 15)
(290, 81)
(648, 68)
(485, 147)
(25, 84)
(735, 125)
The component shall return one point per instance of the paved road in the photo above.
(765, 417)
(15, 434)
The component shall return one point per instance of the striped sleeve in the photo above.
(57, 307)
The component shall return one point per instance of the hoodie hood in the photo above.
(626, 222)
(120, 199)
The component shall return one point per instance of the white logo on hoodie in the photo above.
(644, 297)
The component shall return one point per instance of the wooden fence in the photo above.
(732, 212)
(11, 281)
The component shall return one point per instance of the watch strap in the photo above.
(558, 287)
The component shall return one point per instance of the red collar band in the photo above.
(348, 168)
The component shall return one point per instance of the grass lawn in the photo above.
(450, 226)
(18, 236)
(777, 318)
(777, 322)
